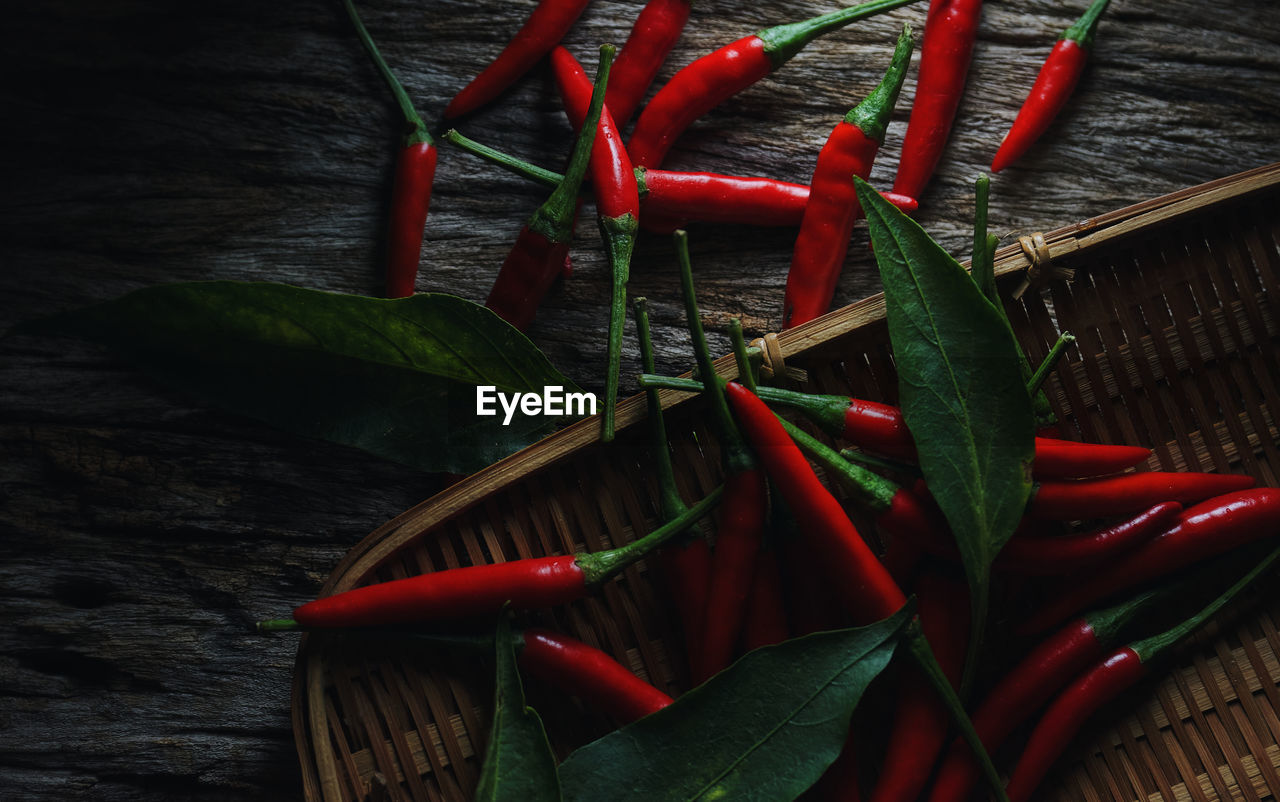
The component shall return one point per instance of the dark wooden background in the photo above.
(143, 142)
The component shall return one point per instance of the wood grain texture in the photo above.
(148, 142)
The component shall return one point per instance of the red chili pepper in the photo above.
(1033, 681)
(1026, 554)
(590, 674)
(869, 593)
(1099, 685)
(897, 511)
(742, 521)
(482, 589)
(686, 562)
(949, 33)
(1074, 500)
(565, 663)
(544, 29)
(1054, 84)
(414, 174)
(1202, 531)
(707, 82)
(1118, 672)
(618, 206)
(671, 199)
(920, 724)
(655, 32)
(833, 206)
(879, 427)
(543, 245)
(766, 622)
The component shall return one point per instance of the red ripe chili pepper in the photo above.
(766, 622)
(544, 29)
(414, 174)
(920, 724)
(897, 511)
(1064, 500)
(618, 206)
(482, 589)
(742, 520)
(1054, 84)
(590, 674)
(712, 79)
(565, 663)
(833, 205)
(869, 593)
(1118, 672)
(671, 199)
(1102, 683)
(686, 561)
(655, 32)
(1026, 554)
(879, 427)
(1034, 680)
(1213, 527)
(543, 245)
(949, 33)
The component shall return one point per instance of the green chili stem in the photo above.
(860, 457)
(1155, 646)
(1086, 27)
(737, 456)
(619, 235)
(871, 490)
(668, 494)
(873, 113)
(418, 133)
(554, 218)
(825, 410)
(278, 625)
(495, 156)
(783, 42)
(598, 567)
(982, 266)
(1038, 378)
(746, 372)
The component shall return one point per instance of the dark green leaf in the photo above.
(518, 763)
(764, 729)
(961, 388)
(397, 378)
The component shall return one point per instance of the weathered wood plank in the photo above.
(150, 142)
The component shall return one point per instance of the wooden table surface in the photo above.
(149, 142)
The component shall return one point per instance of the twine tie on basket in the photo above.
(773, 363)
(1042, 270)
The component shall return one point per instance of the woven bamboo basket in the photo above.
(1174, 304)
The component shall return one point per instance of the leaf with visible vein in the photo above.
(961, 390)
(396, 378)
(764, 729)
(519, 765)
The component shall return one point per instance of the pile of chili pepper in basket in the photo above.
(787, 560)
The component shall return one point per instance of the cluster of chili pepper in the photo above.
(785, 544)
(1162, 523)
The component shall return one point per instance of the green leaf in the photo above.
(396, 378)
(518, 763)
(763, 729)
(961, 389)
